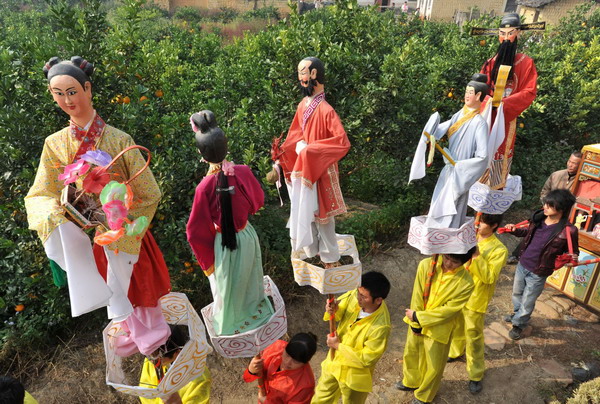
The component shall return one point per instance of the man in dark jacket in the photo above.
(544, 239)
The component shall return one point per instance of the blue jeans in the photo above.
(526, 289)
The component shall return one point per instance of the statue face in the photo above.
(472, 98)
(508, 34)
(306, 77)
(70, 96)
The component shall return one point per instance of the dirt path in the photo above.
(515, 374)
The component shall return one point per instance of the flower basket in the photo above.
(84, 209)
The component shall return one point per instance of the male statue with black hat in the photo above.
(519, 90)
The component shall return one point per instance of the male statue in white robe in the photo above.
(468, 134)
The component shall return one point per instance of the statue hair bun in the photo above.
(87, 67)
(204, 120)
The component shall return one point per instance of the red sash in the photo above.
(311, 108)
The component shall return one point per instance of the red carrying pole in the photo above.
(587, 262)
(524, 223)
(332, 327)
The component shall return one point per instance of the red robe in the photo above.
(150, 278)
(521, 90)
(284, 386)
(327, 144)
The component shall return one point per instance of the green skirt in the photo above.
(241, 304)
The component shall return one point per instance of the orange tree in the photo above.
(385, 76)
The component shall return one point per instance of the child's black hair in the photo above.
(492, 220)
(302, 346)
(11, 391)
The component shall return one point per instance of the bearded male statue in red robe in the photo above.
(308, 160)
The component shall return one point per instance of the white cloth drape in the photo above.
(71, 249)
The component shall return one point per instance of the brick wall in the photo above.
(445, 9)
(551, 13)
(241, 5)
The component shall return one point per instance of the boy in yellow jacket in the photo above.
(361, 339)
(195, 392)
(431, 324)
(485, 268)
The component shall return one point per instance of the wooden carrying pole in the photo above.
(427, 288)
(477, 221)
(261, 379)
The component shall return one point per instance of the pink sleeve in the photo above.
(250, 187)
(200, 228)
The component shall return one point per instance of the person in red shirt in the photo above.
(287, 375)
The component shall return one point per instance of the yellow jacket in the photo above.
(42, 202)
(195, 392)
(362, 343)
(449, 293)
(29, 399)
(485, 270)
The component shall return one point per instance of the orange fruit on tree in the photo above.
(126, 100)
(482, 42)
(159, 93)
(19, 307)
(143, 98)
(450, 95)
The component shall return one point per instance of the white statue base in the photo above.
(486, 200)
(430, 240)
(189, 364)
(332, 280)
(250, 343)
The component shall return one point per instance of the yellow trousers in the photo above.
(329, 390)
(469, 334)
(423, 365)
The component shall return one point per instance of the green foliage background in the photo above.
(385, 76)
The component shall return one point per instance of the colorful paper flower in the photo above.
(96, 180)
(109, 237)
(97, 157)
(74, 171)
(128, 196)
(116, 213)
(113, 191)
(137, 227)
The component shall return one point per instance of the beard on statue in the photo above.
(505, 56)
(307, 87)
